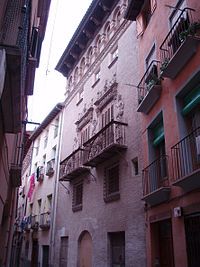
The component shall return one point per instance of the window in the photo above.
(77, 196)
(158, 160)
(85, 134)
(96, 77)
(111, 184)
(144, 17)
(64, 241)
(34, 42)
(107, 115)
(39, 206)
(49, 202)
(37, 147)
(113, 57)
(44, 160)
(135, 166)
(56, 127)
(35, 167)
(46, 138)
(117, 249)
(79, 96)
(31, 208)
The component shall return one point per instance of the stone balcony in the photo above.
(110, 140)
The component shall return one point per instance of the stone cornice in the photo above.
(85, 118)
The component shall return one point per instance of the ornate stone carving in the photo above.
(108, 94)
(76, 143)
(84, 117)
(120, 108)
(94, 126)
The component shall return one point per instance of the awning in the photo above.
(158, 134)
(191, 100)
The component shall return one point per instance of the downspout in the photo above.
(55, 194)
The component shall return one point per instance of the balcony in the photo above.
(45, 220)
(50, 168)
(26, 223)
(40, 174)
(34, 222)
(72, 166)
(186, 162)
(149, 88)
(180, 44)
(156, 188)
(106, 143)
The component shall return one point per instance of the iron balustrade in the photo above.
(150, 78)
(155, 175)
(114, 133)
(50, 167)
(183, 26)
(186, 155)
(34, 222)
(71, 163)
(45, 219)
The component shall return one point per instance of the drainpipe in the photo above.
(55, 194)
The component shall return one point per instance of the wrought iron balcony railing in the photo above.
(184, 27)
(50, 167)
(155, 175)
(45, 220)
(105, 143)
(156, 189)
(149, 87)
(72, 166)
(34, 222)
(186, 160)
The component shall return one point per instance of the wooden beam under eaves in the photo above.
(95, 21)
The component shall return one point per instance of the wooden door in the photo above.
(165, 244)
(85, 252)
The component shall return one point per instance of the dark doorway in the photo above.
(45, 256)
(192, 231)
(34, 257)
(163, 244)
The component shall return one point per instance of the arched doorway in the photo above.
(85, 250)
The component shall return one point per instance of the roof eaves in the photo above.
(54, 112)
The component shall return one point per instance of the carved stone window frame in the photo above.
(85, 119)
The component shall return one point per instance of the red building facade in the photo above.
(169, 101)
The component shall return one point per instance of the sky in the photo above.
(49, 87)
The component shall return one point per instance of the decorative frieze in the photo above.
(84, 117)
(108, 94)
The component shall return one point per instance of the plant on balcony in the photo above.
(153, 81)
(191, 30)
(164, 64)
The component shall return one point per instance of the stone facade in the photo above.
(101, 91)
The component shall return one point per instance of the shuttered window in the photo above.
(85, 134)
(77, 196)
(191, 100)
(111, 184)
(107, 116)
(63, 251)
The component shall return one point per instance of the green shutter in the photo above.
(158, 133)
(191, 101)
